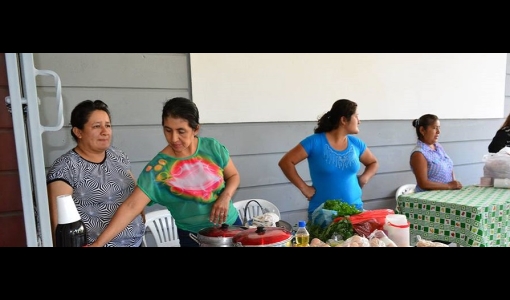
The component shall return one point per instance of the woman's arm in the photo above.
(419, 167)
(134, 179)
(126, 212)
(232, 181)
(371, 164)
(56, 188)
(288, 166)
(498, 141)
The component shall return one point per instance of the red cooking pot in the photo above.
(263, 237)
(217, 236)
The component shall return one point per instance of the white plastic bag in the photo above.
(497, 165)
(266, 220)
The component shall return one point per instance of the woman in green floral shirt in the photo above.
(193, 177)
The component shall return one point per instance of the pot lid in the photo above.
(284, 224)
(262, 236)
(224, 230)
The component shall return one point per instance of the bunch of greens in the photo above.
(343, 209)
(342, 229)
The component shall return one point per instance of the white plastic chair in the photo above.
(162, 226)
(405, 189)
(255, 207)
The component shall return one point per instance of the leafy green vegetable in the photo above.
(342, 208)
(342, 228)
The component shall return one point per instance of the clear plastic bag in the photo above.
(378, 237)
(323, 217)
(497, 165)
(426, 243)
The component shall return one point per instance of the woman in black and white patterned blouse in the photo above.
(96, 174)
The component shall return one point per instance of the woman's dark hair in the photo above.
(180, 107)
(331, 119)
(81, 113)
(424, 121)
(506, 123)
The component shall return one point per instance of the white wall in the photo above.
(279, 87)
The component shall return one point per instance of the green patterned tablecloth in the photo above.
(472, 216)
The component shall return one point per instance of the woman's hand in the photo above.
(308, 191)
(219, 210)
(362, 180)
(454, 185)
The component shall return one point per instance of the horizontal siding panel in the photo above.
(264, 170)
(127, 106)
(401, 132)
(137, 168)
(280, 137)
(127, 137)
(469, 174)
(254, 141)
(260, 169)
(392, 159)
(285, 196)
(385, 185)
(130, 138)
(467, 152)
(468, 130)
(396, 158)
(143, 142)
(129, 70)
(259, 138)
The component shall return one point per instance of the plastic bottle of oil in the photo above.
(302, 235)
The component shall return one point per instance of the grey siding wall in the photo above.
(136, 85)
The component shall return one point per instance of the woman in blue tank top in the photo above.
(334, 157)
